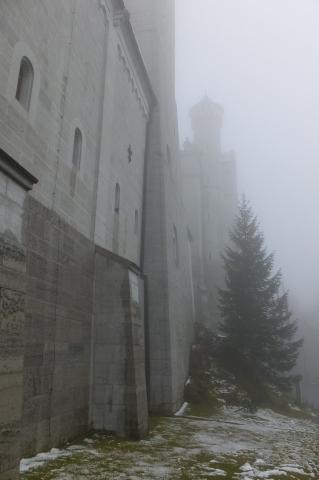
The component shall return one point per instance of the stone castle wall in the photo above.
(12, 323)
(67, 83)
(59, 299)
(84, 337)
(166, 253)
(79, 339)
(119, 396)
(48, 367)
(87, 75)
(72, 337)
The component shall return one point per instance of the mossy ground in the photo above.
(194, 449)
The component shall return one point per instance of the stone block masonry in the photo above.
(166, 259)
(119, 400)
(82, 351)
(60, 272)
(14, 182)
(12, 318)
(57, 289)
(75, 289)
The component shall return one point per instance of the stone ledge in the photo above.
(16, 172)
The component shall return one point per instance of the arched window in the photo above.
(77, 149)
(116, 218)
(136, 222)
(175, 246)
(25, 83)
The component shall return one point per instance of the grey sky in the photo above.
(260, 60)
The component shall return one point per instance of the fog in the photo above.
(260, 60)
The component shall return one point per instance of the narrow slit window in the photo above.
(117, 198)
(175, 246)
(77, 149)
(25, 83)
(130, 153)
(136, 222)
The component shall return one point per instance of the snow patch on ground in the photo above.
(27, 464)
(257, 446)
(254, 473)
(182, 410)
(216, 472)
(259, 462)
(297, 470)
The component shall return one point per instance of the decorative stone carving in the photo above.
(11, 250)
(121, 16)
(132, 81)
(11, 303)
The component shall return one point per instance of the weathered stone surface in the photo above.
(12, 323)
(57, 331)
(119, 396)
(89, 74)
(169, 313)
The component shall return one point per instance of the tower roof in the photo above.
(207, 109)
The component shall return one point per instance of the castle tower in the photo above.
(166, 259)
(210, 197)
(206, 119)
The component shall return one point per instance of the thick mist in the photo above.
(260, 61)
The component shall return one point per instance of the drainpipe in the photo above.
(142, 246)
(145, 173)
(94, 207)
(65, 84)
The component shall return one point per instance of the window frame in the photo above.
(25, 83)
(77, 151)
(20, 51)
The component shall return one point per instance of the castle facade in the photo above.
(97, 300)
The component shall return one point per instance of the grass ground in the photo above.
(228, 445)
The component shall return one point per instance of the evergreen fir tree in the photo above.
(259, 333)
